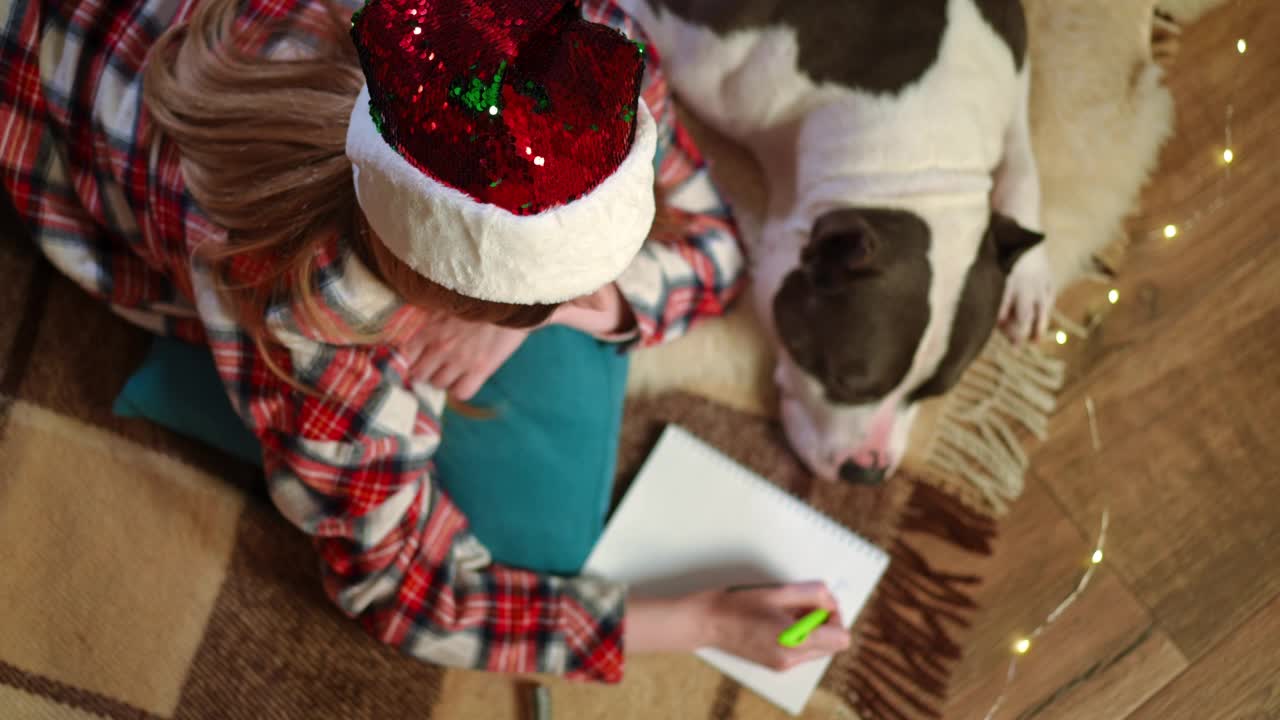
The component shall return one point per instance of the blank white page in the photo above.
(694, 519)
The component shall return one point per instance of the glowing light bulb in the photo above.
(1061, 337)
(1228, 156)
(1171, 231)
(1241, 46)
(1113, 297)
(493, 109)
(1022, 646)
(417, 31)
(1097, 557)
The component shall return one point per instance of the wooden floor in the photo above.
(1183, 621)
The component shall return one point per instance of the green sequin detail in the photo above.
(480, 96)
(495, 183)
(541, 99)
(378, 121)
(355, 16)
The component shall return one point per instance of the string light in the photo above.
(1023, 644)
(1171, 230)
(1228, 159)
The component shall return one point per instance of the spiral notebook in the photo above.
(696, 520)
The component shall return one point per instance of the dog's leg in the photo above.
(1017, 179)
(1029, 292)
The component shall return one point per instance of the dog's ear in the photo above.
(1011, 240)
(842, 244)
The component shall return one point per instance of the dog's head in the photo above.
(885, 308)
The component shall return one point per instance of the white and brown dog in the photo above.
(904, 198)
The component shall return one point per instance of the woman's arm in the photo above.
(348, 461)
(694, 272)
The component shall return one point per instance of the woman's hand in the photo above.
(743, 622)
(603, 314)
(458, 356)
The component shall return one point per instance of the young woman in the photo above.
(362, 216)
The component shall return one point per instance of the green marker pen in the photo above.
(795, 635)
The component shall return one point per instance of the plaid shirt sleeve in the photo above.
(347, 454)
(348, 440)
(675, 282)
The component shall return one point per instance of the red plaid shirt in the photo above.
(350, 465)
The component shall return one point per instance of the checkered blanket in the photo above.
(146, 576)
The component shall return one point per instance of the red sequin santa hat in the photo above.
(500, 147)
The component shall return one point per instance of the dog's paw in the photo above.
(1029, 294)
(1166, 36)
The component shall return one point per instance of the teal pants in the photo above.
(534, 478)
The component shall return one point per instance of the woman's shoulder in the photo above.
(610, 13)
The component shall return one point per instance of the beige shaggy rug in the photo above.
(1100, 115)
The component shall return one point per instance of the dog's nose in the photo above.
(852, 472)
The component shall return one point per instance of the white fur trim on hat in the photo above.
(488, 253)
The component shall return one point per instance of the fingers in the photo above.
(826, 640)
(823, 642)
(445, 377)
(594, 301)
(468, 385)
(427, 365)
(801, 596)
(749, 621)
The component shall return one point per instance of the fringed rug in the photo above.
(146, 576)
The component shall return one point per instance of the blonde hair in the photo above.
(262, 142)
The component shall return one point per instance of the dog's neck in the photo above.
(833, 159)
(923, 192)
(935, 186)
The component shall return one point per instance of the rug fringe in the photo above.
(1007, 391)
(902, 664)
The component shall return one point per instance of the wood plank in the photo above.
(1183, 371)
(1116, 685)
(1087, 657)
(1238, 680)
